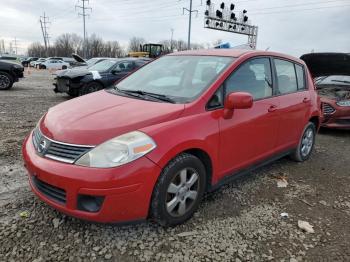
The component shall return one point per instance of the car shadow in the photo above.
(334, 132)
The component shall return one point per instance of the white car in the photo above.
(54, 64)
(36, 62)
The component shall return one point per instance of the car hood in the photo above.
(95, 118)
(74, 72)
(327, 64)
(78, 58)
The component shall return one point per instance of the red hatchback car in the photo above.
(182, 125)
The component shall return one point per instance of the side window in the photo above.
(253, 77)
(217, 100)
(125, 66)
(286, 78)
(300, 77)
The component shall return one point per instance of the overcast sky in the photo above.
(294, 27)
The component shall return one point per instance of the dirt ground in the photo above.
(239, 222)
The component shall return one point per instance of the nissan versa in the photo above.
(184, 124)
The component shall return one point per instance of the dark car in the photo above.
(27, 61)
(9, 73)
(80, 81)
(331, 73)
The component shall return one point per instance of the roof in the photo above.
(235, 53)
(215, 52)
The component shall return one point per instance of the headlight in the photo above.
(343, 103)
(118, 151)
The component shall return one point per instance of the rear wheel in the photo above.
(306, 143)
(64, 67)
(178, 191)
(6, 81)
(90, 88)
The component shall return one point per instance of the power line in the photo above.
(83, 8)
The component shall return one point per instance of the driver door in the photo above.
(250, 135)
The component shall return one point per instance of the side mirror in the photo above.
(237, 100)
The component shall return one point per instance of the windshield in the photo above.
(103, 65)
(181, 78)
(92, 61)
(333, 80)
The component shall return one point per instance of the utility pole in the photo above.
(190, 11)
(171, 39)
(44, 21)
(83, 8)
(15, 42)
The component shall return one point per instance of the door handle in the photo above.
(306, 100)
(272, 108)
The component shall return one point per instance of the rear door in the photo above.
(251, 134)
(295, 103)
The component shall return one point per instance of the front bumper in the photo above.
(126, 190)
(64, 85)
(339, 119)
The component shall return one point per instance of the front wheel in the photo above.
(6, 81)
(178, 191)
(90, 88)
(306, 143)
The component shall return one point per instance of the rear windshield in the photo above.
(182, 78)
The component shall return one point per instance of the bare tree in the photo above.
(36, 50)
(134, 44)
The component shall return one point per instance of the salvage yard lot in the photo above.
(239, 222)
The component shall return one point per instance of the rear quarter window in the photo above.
(300, 77)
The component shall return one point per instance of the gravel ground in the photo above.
(239, 222)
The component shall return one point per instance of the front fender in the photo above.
(200, 131)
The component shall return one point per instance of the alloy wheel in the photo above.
(307, 142)
(4, 82)
(182, 192)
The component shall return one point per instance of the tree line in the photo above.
(66, 44)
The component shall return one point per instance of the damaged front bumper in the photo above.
(64, 85)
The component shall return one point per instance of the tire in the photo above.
(178, 191)
(306, 143)
(42, 66)
(64, 67)
(90, 88)
(6, 81)
(73, 92)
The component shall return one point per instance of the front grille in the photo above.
(54, 193)
(59, 151)
(327, 109)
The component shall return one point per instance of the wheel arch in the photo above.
(316, 121)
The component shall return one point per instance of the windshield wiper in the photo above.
(144, 93)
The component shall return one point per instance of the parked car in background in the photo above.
(180, 126)
(9, 73)
(11, 58)
(53, 64)
(35, 63)
(26, 62)
(81, 81)
(331, 72)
